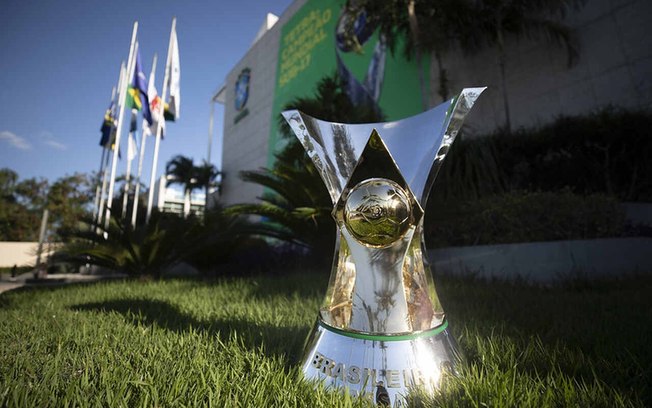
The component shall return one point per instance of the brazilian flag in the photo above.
(137, 92)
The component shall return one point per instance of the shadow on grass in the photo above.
(587, 329)
(303, 283)
(274, 341)
(595, 330)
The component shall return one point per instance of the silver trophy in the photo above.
(381, 330)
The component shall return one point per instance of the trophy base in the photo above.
(380, 367)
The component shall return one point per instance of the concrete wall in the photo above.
(614, 68)
(547, 261)
(18, 253)
(246, 142)
(638, 213)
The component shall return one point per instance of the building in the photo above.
(171, 199)
(309, 40)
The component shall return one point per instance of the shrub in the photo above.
(524, 217)
(604, 152)
(607, 151)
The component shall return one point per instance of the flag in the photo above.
(132, 147)
(155, 106)
(133, 125)
(108, 127)
(171, 111)
(137, 93)
(133, 142)
(147, 131)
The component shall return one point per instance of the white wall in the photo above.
(18, 253)
(246, 142)
(614, 67)
(547, 261)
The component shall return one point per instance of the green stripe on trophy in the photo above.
(387, 337)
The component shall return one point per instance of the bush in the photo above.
(524, 217)
(218, 239)
(604, 152)
(608, 152)
(146, 250)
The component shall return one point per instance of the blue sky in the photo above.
(60, 59)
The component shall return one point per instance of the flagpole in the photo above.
(100, 209)
(125, 189)
(125, 195)
(121, 102)
(100, 179)
(102, 194)
(130, 135)
(134, 209)
(150, 198)
(98, 187)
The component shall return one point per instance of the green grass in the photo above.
(236, 343)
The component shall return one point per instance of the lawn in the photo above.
(236, 343)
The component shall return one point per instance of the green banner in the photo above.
(316, 42)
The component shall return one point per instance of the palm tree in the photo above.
(181, 170)
(206, 174)
(296, 206)
(147, 250)
(423, 27)
(533, 19)
(436, 27)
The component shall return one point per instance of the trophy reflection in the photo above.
(381, 329)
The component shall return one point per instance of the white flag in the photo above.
(147, 130)
(155, 106)
(131, 147)
(175, 78)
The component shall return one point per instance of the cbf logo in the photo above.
(242, 89)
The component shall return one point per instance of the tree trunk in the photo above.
(443, 77)
(206, 197)
(502, 58)
(414, 29)
(186, 204)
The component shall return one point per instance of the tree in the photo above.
(8, 179)
(206, 174)
(423, 27)
(68, 200)
(21, 206)
(181, 170)
(436, 27)
(147, 250)
(17, 223)
(32, 193)
(296, 207)
(533, 19)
